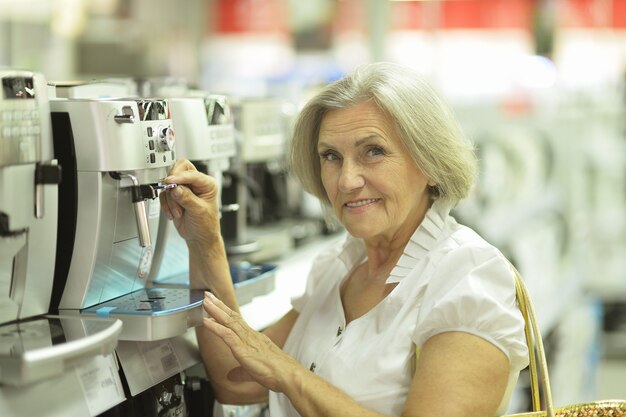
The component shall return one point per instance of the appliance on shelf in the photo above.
(115, 152)
(257, 184)
(34, 345)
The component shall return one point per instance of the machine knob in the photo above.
(166, 138)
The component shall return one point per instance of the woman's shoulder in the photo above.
(461, 241)
(461, 256)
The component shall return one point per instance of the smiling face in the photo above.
(375, 188)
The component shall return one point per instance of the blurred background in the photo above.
(538, 85)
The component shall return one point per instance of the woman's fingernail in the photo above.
(169, 215)
(177, 213)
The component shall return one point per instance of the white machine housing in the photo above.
(117, 151)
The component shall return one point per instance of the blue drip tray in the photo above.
(149, 302)
(244, 272)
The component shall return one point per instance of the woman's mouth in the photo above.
(361, 203)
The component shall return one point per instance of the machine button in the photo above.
(152, 158)
(166, 138)
(151, 144)
(149, 132)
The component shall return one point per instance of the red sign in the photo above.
(239, 16)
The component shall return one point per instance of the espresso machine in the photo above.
(115, 153)
(34, 346)
(256, 182)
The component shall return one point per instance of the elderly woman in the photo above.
(413, 315)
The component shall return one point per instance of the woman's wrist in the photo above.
(293, 379)
(207, 246)
(208, 265)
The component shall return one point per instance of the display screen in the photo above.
(18, 88)
(153, 110)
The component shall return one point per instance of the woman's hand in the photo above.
(261, 360)
(193, 204)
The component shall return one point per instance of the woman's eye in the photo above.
(328, 156)
(375, 151)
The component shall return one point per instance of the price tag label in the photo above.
(101, 385)
(160, 359)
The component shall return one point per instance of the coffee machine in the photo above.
(33, 344)
(115, 152)
(256, 182)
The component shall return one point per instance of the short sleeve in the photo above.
(473, 291)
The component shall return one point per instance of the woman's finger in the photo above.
(165, 206)
(182, 165)
(224, 315)
(169, 204)
(186, 199)
(227, 335)
(198, 182)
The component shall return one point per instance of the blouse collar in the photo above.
(420, 243)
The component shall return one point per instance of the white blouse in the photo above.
(449, 279)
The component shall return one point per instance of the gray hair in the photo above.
(423, 121)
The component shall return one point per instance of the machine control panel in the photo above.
(159, 136)
(20, 122)
(221, 126)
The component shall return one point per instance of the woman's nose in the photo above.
(351, 177)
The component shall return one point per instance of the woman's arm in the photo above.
(458, 374)
(193, 208)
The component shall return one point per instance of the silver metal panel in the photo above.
(107, 255)
(102, 144)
